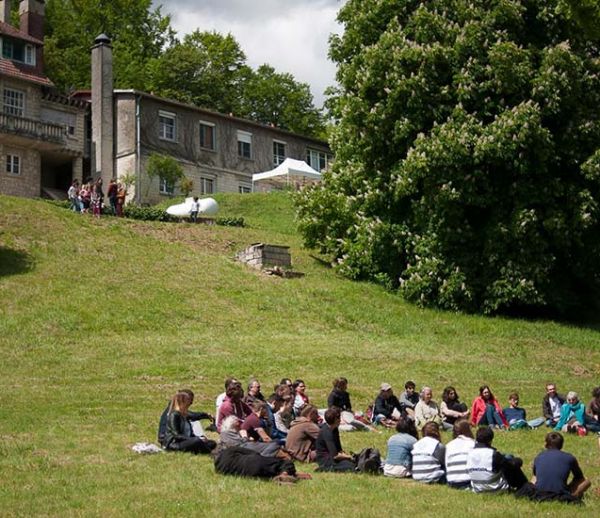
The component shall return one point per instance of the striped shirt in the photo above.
(457, 452)
(428, 460)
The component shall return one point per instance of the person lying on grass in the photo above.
(329, 453)
(179, 435)
(243, 462)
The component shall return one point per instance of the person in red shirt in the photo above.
(486, 411)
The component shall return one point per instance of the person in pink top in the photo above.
(486, 411)
(233, 404)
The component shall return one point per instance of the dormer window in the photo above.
(18, 51)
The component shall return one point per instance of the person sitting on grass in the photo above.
(490, 470)
(409, 398)
(243, 462)
(300, 397)
(179, 435)
(254, 393)
(551, 470)
(387, 409)
(233, 404)
(516, 416)
(427, 410)
(572, 415)
(592, 422)
(220, 398)
(428, 456)
(486, 410)
(552, 402)
(301, 438)
(329, 453)
(457, 451)
(398, 463)
(193, 417)
(253, 426)
(284, 416)
(339, 396)
(231, 437)
(452, 409)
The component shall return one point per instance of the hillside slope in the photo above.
(101, 321)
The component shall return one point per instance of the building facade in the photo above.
(42, 137)
(218, 152)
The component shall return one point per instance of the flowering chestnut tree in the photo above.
(467, 171)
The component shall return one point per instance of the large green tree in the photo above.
(205, 68)
(138, 33)
(467, 169)
(273, 97)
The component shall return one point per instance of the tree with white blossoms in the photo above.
(467, 172)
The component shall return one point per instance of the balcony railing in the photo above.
(33, 128)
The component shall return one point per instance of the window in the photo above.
(207, 185)
(244, 144)
(318, 160)
(207, 135)
(244, 188)
(166, 187)
(167, 129)
(18, 51)
(13, 164)
(278, 152)
(14, 102)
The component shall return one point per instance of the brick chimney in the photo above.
(5, 11)
(31, 13)
(102, 110)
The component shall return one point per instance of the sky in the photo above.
(290, 35)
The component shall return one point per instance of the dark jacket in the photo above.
(546, 410)
(387, 406)
(178, 429)
(162, 424)
(339, 399)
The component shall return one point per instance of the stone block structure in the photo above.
(260, 255)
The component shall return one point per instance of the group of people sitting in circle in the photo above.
(89, 197)
(262, 437)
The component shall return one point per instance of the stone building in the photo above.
(41, 132)
(218, 152)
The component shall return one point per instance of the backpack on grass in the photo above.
(368, 460)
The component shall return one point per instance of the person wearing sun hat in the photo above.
(387, 407)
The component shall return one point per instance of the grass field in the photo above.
(101, 321)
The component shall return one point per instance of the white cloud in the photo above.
(292, 36)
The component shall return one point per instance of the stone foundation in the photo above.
(260, 255)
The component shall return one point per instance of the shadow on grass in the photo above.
(14, 262)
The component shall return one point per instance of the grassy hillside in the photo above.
(101, 321)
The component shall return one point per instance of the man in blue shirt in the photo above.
(551, 470)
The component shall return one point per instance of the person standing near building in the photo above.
(194, 210)
(112, 195)
(73, 195)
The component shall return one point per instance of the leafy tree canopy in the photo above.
(138, 33)
(467, 170)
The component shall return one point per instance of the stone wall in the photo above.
(260, 255)
(28, 182)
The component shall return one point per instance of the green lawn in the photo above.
(101, 321)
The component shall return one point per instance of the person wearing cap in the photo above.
(387, 408)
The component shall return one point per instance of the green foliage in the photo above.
(147, 213)
(584, 12)
(231, 222)
(138, 33)
(186, 186)
(275, 98)
(164, 167)
(467, 163)
(206, 69)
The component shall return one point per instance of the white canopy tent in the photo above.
(289, 168)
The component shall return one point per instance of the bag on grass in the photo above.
(368, 460)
